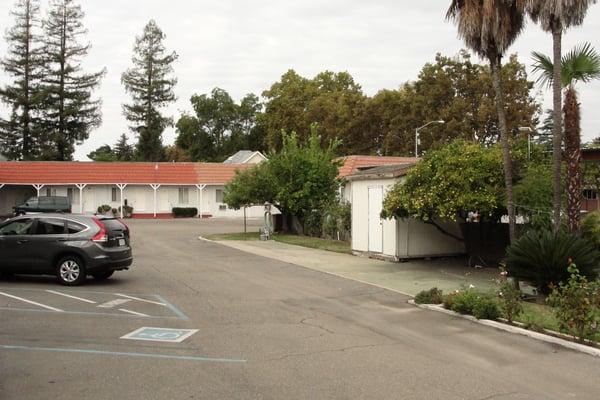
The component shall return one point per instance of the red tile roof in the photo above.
(213, 173)
(42, 172)
(351, 164)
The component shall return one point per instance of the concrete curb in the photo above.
(205, 239)
(515, 329)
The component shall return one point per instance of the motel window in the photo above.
(50, 192)
(219, 195)
(70, 194)
(113, 195)
(590, 194)
(184, 195)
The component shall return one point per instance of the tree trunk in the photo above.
(495, 64)
(573, 159)
(557, 128)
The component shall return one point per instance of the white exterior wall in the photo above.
(140, 197)
(360, 217)
(401, 238)
(417, 239)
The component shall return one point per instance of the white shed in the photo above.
(390, 238)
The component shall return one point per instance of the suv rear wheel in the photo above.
(70, 271)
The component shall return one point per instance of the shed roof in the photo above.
(352, 164)
(382, 171)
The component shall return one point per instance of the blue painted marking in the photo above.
(126, 354)
(176, 310)
(90, 313)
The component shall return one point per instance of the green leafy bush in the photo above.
(473, 302)
(431, 296)
(577, 305)
(185, 212)
(338, 220)
(590, 227)
(103, 209)
(485, 307)
(542, 258)
(448, 300)
(509, 297)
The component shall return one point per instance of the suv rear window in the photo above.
(74, 227)
(113, 224)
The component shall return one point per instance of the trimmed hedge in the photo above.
(185, 212)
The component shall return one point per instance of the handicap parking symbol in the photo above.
(160, 334)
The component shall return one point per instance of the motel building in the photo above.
(153, 189)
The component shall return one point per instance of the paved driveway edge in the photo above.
(515, 329)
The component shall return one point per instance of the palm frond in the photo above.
(582, 64)
(544, 67)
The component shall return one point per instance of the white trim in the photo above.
(121, 186)
(252, 155)
(37, 187)
(155, 187)
(200, 191)
(1, 185)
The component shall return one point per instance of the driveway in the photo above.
(261, 329)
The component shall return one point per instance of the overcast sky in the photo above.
(244, 47)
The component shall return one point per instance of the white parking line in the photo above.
(133, 312)
(31, 302)
(72, 297)
(137, 298)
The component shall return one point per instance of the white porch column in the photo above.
(199, 191)
(155, 188)
(80, 186)
(38, 187)
(121, 186)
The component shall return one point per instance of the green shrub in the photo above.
(185, 212)
(590, 227)
(509, 297)
(542, 258)
(485, 307)
(431, 296)
(448, 300)
(338, 220)
(577, 305)
(473, 302)
(103, 209)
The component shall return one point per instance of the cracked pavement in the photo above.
(303, 335)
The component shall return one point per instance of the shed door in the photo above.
(375, 221)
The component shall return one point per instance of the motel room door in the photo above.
(375, 205)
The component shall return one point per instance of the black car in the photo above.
(44, 204)
(68, 246)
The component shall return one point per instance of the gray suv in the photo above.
(67, 246)
(44, 204)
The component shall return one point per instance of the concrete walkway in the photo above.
(407, 277)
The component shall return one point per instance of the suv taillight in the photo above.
(102, 235)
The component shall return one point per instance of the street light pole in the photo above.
(441, 121)
(529, 132)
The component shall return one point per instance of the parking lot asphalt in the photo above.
(258, 328)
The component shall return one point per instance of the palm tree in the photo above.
(489, 27)
(556, 16)
(582, 64)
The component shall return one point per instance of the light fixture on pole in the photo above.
(441, 121)
(529, 132)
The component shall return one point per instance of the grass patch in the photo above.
(233, 236)
(337, 246)
(539, 316)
